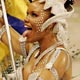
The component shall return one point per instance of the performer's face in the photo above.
(36, 17)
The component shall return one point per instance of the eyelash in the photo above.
(34, 14)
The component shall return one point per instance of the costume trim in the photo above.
(52, 48)
(31, 52)
(23, 45)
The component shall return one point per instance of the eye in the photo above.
(34, 14)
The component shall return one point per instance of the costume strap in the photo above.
(52, 48)
(34, 76)
(69, 60)
(31, 52)
(54, 57)
(55, 73)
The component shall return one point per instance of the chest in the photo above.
(40, 65)
(59, 63)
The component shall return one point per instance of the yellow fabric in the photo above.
(17, 8)
(4, 51)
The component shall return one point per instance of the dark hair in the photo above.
(30, 0)
(68, 3)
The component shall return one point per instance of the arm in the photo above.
(58, 69)
(14, 37)
(64, 71)
(15, 41)
(68, 73)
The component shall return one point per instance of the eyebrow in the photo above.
(34, 11)
(37, 12)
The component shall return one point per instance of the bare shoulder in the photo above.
(61, 63)
(62, 59)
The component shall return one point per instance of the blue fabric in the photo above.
(17, 24)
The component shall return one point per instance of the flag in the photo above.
(4, 51)
(17, 8)
(16, 23)
(17, 12)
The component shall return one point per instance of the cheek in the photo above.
(39, 21)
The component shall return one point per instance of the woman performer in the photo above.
(47, 25)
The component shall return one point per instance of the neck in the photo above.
(48, 40)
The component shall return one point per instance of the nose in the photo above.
(26, 20)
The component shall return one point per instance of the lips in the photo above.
(27, 32)
(28, 28)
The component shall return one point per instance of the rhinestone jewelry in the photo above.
(23, 45)
(33, 76)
